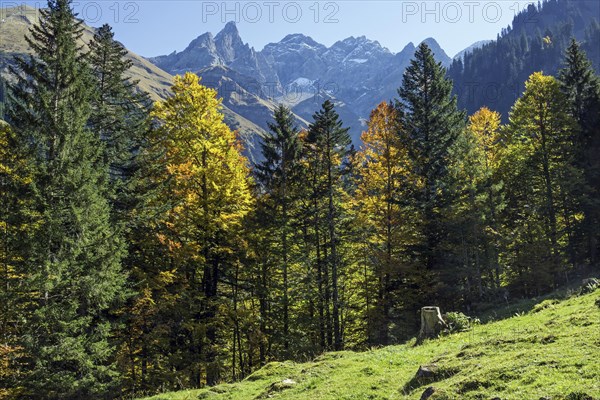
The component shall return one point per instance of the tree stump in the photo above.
(431, 322)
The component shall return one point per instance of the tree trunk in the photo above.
(431, 322)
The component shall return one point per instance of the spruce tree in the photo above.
(582, 87)
(278, 175)
(118, 117)
(73, 256)
(328, 136)
(431, 124)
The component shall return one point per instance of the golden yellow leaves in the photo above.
(207, 175)
(484, 125)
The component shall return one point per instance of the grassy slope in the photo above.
(15, 24)
(551, 351)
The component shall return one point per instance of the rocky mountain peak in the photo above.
(205, 40)
(438, 52)
(230, 27)
(410, 47)
(297, 38)
(229, 34)
(295, 41)
(355, 40)
(357, 71)
(229, 43)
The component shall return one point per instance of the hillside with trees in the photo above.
(141, 252)
(494, 74)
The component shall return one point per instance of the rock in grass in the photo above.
(277, 387)
(283, 385)
(427, 372)
(428, 393)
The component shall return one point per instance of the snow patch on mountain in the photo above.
(302, 82)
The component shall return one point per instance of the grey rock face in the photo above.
(357, 73)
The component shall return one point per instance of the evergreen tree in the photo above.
(582, 88)
(313, 208)
(119, 118)
(327, 135)
(278, 175)
(431, 124)
(72, 259)
(119, 110)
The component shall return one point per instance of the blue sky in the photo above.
(155, 27)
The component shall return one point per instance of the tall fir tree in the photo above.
(73, 259)
(312, 211)
(331, 141)
(432, 124)
(278, 176)
(119, 118)
(582, 87)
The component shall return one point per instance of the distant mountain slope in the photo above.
(153, 80)
(494, 74)
(357, 73)
(471, 48)
(16, 23)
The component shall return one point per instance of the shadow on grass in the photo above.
(488, 312)
(434, 374)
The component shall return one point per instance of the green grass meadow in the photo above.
(548, 350)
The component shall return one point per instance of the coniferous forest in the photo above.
(141, 251)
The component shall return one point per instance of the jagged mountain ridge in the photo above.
(356, 73)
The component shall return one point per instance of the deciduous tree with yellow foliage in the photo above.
(541, 182)
(202, 199)
(15, 220)
(382, 172)
(208, 195)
